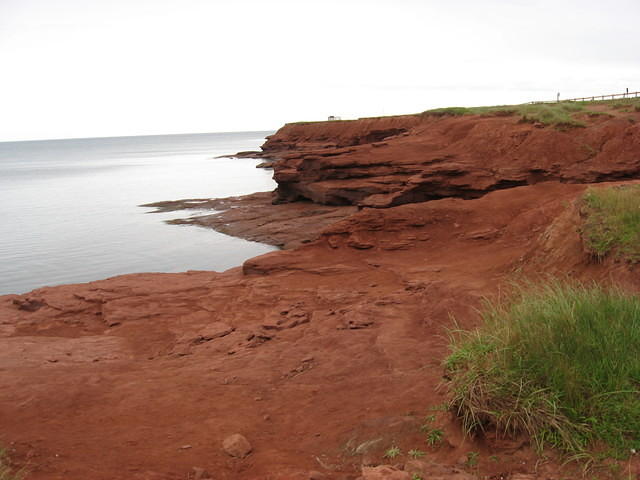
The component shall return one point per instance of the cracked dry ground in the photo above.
(310, 353)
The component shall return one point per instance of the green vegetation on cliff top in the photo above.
(559, 114)
(611, 223)
(545, 113)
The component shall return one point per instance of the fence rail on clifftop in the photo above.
(592, 98)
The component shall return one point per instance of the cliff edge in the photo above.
(388, 161)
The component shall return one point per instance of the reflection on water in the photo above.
(68, 208)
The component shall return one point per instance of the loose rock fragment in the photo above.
(236, 445)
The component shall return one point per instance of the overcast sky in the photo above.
(83, 68)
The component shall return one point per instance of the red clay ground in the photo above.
(323, 356)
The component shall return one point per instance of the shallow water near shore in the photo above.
(69, 208)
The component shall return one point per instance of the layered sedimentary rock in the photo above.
(382, 162)
(327, 354)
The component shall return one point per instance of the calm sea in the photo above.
(69, 208)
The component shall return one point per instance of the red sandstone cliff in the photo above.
(381, 162)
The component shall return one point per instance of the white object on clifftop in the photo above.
(332, 118)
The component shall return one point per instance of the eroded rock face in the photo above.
(383, 162)
(341, 134)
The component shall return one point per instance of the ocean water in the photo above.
(69, 208)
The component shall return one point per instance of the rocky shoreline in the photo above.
(327, 354)
(254, 217)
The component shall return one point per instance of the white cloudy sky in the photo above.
(80, 68)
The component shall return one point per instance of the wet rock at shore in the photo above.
(254, 217)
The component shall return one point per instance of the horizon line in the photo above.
(131, 136)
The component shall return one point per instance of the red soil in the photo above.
(322, 356)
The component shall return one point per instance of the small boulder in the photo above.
(315, 475)
(236, 445)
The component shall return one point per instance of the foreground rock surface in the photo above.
(382, 162)
(324, 356)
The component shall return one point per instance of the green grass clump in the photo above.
(620, 103)
(552, 113)
(559, 362)
(453, 111)
(415, 453)
(6, 472)
(612, 221)
(558, 114)
(392, 452)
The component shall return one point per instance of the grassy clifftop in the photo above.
(561, 113)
